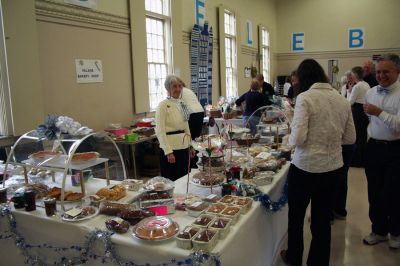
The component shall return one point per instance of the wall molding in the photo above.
(335, 54)
(247, 50)
(50, 11)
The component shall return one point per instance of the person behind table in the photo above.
(322, 122)
(344, 81)
(267, 88)
(254, 99)
(287, 85)
(382, 164)
(369, 74)
(196, 115)
(172, 130)
(357, 99)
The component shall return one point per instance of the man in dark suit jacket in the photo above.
(267, 88)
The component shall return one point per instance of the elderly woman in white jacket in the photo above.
(173, 131)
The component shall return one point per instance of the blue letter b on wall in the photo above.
(356, 38)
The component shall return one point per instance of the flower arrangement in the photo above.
(56, 125)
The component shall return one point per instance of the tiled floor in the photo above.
(347, 248)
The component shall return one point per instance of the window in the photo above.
(158, 54)
(230, 54)
(265, 54)
(6, 122)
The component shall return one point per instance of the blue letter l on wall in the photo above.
(356, 38)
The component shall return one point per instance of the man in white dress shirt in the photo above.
(382, 166)
(357, 99)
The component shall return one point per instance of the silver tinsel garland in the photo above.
(85, 252)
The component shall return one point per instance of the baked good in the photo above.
(203, 220)
(156, 228)
(197, 206)
(220, 223)
(188, 233)
(85, 156)
(228, 199)
(205, 179)
(135, 216)
(231, 211)
(112, 208)
(205, 235)
(40, 155)
(216, 208)
(117, 225)
(55, 192)
(114, 192)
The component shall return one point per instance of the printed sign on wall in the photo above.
(298, 39)
(200, 12)
(88, 70)
(249, 29)
(356, 38)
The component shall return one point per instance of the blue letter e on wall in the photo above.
(356, 38)
(298, 41)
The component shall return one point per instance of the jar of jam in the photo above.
(3, 195)
(50, 206)
(30, 201)
(19, 200)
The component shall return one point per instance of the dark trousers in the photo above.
(196, 127)
(340, 193)
(175, 170)
(303, 188)
(361, 124)
(382, 169)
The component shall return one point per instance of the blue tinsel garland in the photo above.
(86, 251)
(274, 206)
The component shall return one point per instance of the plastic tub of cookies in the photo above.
(203, 220)
(205, 240)
(244, 203)
(184, 238)
(216, 209)
(232, 212)
(222, 225)
(212, 198)
(196, 208)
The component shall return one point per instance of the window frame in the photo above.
(265, 67)
(167, 39)
(231, 36)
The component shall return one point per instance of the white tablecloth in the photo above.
(254, 240)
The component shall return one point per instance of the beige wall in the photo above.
(92, 104)
(257, 11)
(326, 32)
(43, 42)
(23, 64)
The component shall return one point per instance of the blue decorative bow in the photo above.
(383, 90)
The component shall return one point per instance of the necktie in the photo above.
(185, 111)
(382, 90)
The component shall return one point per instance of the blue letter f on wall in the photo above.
(356, 38)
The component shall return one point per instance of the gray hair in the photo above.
(347, 74)
(358, 72)
(169, 80)
(390, 57)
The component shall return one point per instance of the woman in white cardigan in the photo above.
(173, 132)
